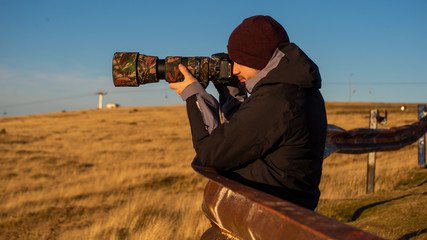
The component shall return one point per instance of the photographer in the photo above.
(274, 139)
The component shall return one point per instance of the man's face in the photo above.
(243, 72)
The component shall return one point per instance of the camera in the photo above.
(131, 69)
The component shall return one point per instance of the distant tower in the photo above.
(100, 93)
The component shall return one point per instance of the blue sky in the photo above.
(55, 54)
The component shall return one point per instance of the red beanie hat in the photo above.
(255, 40)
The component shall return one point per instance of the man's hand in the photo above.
(188, 79)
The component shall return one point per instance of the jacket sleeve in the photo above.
(206, 107)
(212, 113)
(231, 96)
(249, 135)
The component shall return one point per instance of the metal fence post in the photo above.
(370, 178)
(422, 111)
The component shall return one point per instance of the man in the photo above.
(274, 139)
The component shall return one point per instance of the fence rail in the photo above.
(237, 211)
(364, 140)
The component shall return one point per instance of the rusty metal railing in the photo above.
(238, 211)
(364, 140)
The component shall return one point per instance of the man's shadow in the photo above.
(359, 211)
(412, 234)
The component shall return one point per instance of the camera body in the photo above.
(131, 69)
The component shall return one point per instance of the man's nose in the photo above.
(236, 70)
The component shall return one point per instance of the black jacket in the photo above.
(275, 140)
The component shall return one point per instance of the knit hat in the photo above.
(255, 40)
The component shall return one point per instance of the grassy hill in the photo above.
(124, 174)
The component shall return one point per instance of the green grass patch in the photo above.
(416, 179)
(396, 214)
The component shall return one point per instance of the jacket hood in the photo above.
(289, 64)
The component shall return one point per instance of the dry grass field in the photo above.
(125, 174)
(389, 165)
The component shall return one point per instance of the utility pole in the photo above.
(349, 87)
(100, 93)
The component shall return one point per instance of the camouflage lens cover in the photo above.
(172, 73)
(198, 66)
(124, 69)
(146, 69)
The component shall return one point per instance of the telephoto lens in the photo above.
(131, 69)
